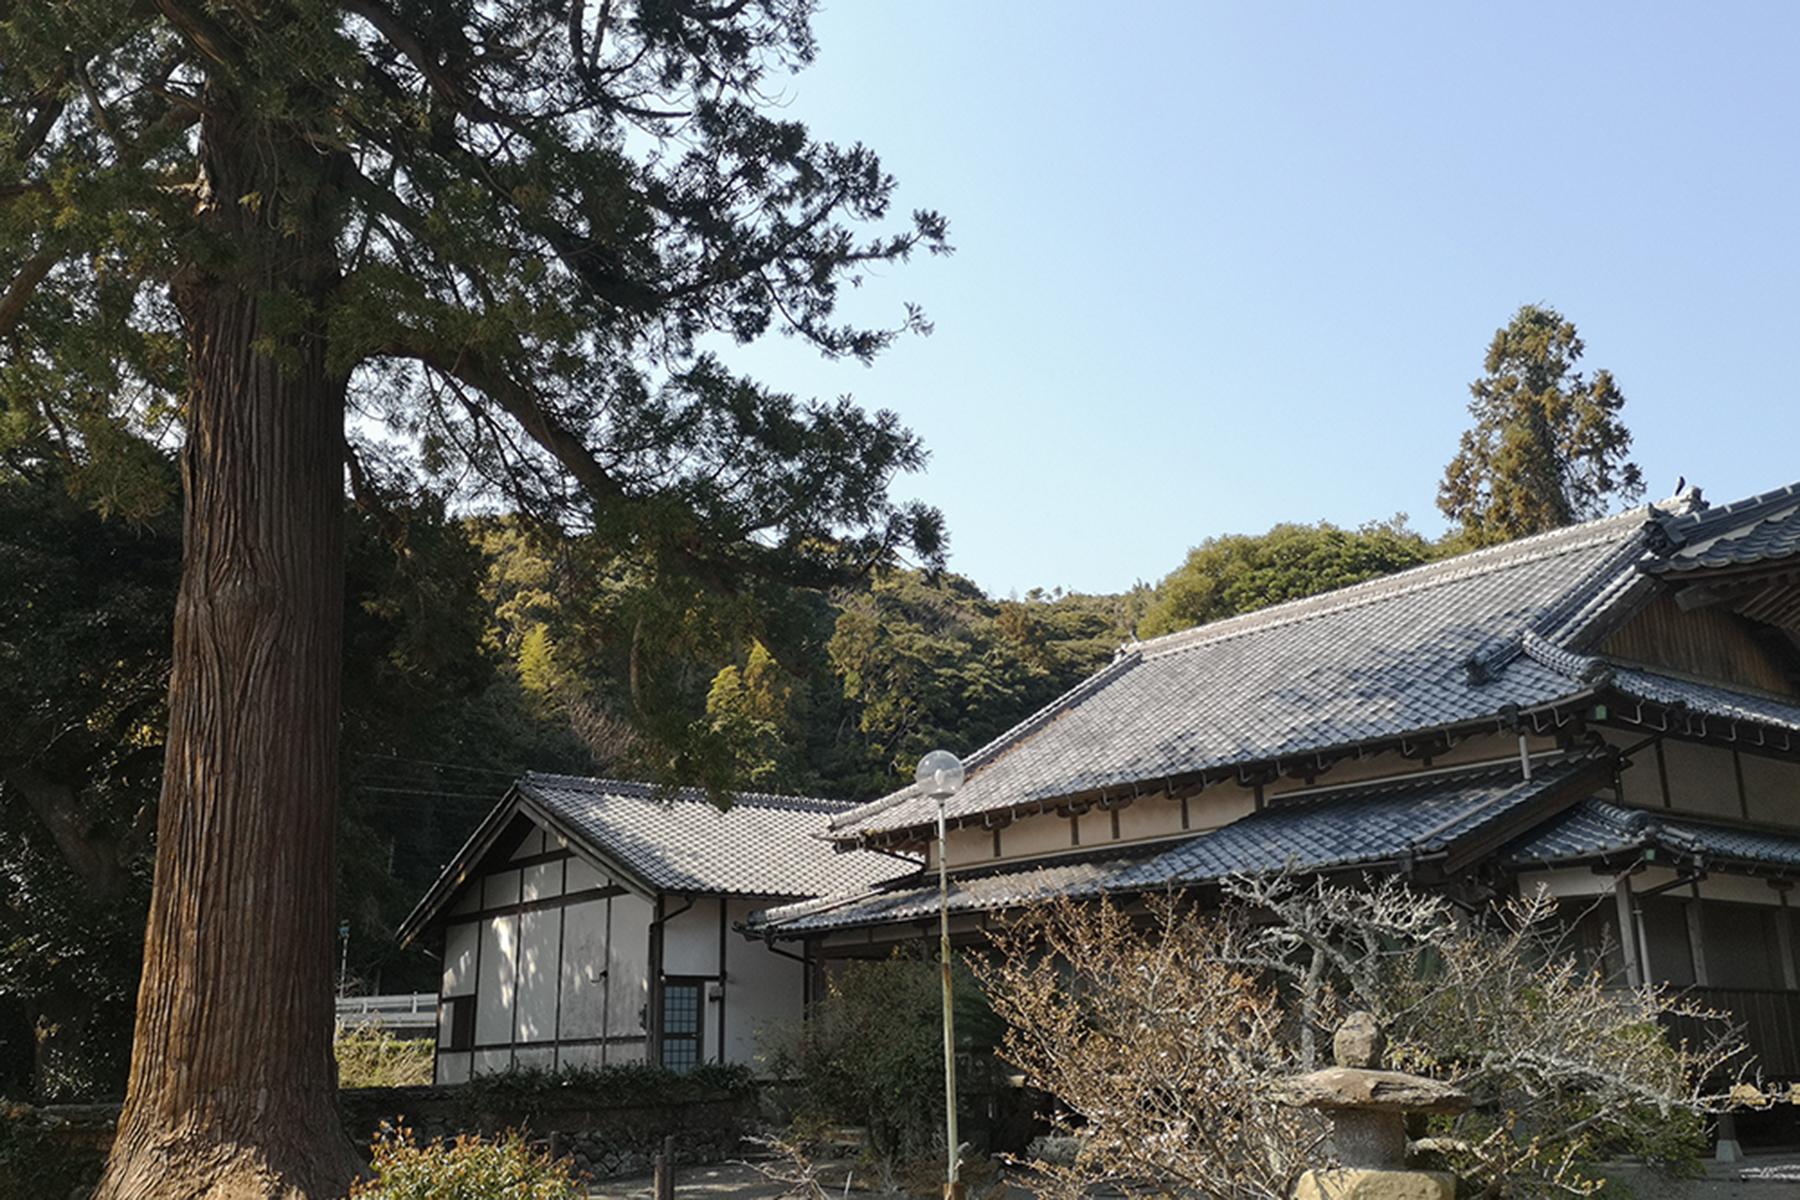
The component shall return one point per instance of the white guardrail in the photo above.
(415, 1010)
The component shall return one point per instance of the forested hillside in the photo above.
(481, 646)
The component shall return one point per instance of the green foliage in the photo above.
(1548, 447)
(85, 608)
(931, 661)
(530, 1091)
(531, 226)
(1238, 573)
(469, 1168)
(872, 1053)
(84, 644)
(370, 1056)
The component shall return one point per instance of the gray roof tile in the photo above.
(1369, 662)
(678, 840)
(1600, 829)
(1331, 829)
(1758, 529)
(1705, 699)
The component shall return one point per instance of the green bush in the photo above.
(469, 1168)
(528, 1091)
(370, 1056)
(871, 1054)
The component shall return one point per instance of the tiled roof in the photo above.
(1597, 829)
(678, 840)
(1759, 529)
(1435, 646)
(1705, 699)
(1330, 829)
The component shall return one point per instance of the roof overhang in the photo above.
(1306, 765)
(1432, 854)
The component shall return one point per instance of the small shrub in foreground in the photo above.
(469, 1168)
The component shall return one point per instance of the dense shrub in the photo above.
(636, 1084)
(370, 1056)
(469, 1168)
(871, 1055)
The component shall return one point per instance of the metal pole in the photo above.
(951, 1188)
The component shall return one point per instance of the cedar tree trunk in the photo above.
(233, 1084)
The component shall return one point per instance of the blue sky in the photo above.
(1224, 265)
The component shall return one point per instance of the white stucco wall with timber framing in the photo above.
(554, 958)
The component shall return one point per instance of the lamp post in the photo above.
(940, 773)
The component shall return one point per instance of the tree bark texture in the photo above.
(233, 1084)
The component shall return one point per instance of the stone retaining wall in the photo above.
(55, 1152)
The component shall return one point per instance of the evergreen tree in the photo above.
(502, 228)
(1548, 447)
(1238, 573)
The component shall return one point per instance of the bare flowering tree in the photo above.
(1157, 1046)
(1160, 1033)
(1565, 1063)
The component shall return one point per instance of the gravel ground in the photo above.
(1762, 1177)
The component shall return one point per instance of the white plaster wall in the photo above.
(1027, 837)
(494, 989)
(1576, 881)
(459, 959)
(968, 845)
(532, 845)
(542, 881)
(1579, 881)
(628, 968)
(691, 940)
(584, 876)
(1217, 807)
(540, 957)
(500, 889)
(1740, 888)
(1150, 816)
(453, 1068)
(1096, 827)
(583, 960)
(762, 989)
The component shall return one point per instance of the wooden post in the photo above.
(663, 1186)
(1628, 933)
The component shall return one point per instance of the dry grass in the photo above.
(370, 1056)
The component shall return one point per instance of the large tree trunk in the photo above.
(233, 1085)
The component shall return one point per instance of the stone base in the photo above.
(1360, 1183)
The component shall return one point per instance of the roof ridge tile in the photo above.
(638, 789)
(1458, 568)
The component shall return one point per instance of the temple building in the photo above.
(588, 922)
(1611, 710)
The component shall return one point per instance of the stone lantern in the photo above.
(1367, 1107)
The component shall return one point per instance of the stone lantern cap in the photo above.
(1358, 1083)
(1337, 1088)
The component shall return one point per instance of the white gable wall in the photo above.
(553, 954)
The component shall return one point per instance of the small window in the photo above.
(456, 1023)
(681, 1024)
